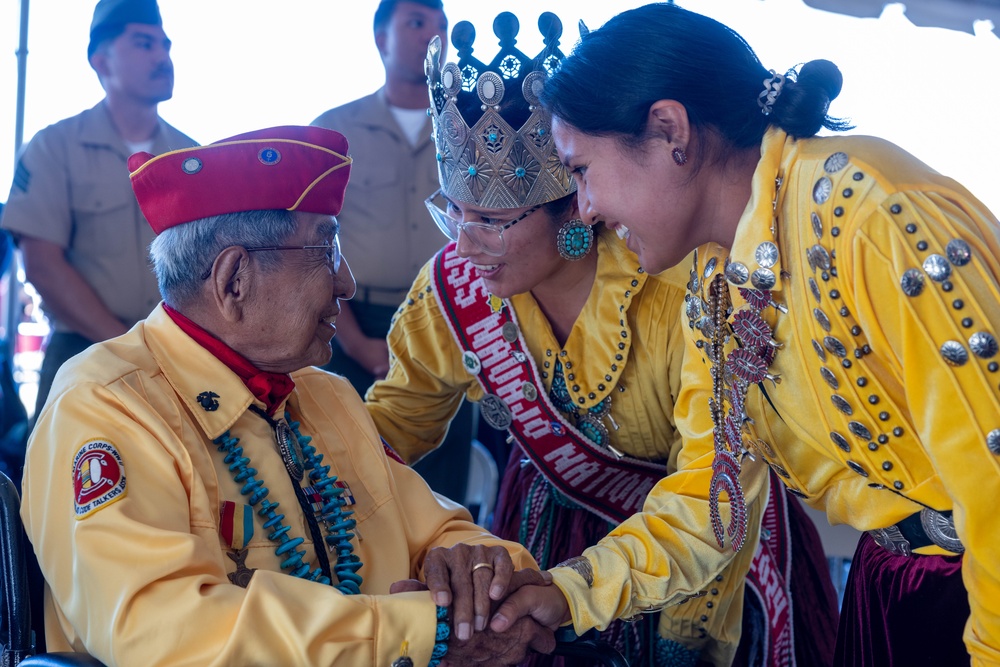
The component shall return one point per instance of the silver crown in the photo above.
(494, 140)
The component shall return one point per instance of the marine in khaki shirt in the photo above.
(71, 210)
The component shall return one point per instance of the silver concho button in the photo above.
(840, 441)
(765, 448)
(835, 346)
(954, 353)
(823, 320)
(829, 377)
(766, 254)
(958, 251)
(781, 471)
(841, 404)
(817, 226)
(710, 266)
(937, 268)
(495, 412)
(763, 279)
(818, 257)
(912, 282)
(737, 274)
(856, 467)
(509, 331)
(983, 344)
(835, 163)
(819, 350)
(529, 391)
(693, 308)
(993, 441)
(814, 288)
(859, 430)
(822, 190)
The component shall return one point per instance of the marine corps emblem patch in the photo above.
(98, 477)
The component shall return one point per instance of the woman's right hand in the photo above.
(547, 605)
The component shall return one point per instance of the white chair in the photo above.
(484, 481)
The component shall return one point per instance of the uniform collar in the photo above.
(97, 129)
(212, 393)
(271, 388)
(759, 223)
(386, 120)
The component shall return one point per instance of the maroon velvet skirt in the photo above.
(559, 531)
(902, 611)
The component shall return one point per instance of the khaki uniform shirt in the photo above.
(387, 234)
(889, 393)
(71, 188)
(142, 573)
(427, 380)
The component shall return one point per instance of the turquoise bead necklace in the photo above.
(299, 455)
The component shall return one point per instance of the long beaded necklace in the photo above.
(733, 376)
(299, 457)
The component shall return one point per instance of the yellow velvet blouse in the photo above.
(889, 392)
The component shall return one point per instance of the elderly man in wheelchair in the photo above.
(197, 492)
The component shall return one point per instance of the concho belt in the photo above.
(921, 529)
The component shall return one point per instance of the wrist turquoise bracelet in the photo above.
(441, 635)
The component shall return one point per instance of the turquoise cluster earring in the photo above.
(575, 239)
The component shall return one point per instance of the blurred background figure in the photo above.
(387, 233)
(71, 209)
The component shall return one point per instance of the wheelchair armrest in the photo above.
(61, 660)
(594, 650)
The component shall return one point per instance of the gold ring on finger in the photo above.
(479, 565)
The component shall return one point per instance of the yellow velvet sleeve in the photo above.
(667, 553)
(426, 382)
(940, 337)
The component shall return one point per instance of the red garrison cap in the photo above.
(293, 168)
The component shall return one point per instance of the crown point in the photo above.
(506, 27)
(463, 35)
(551, 27)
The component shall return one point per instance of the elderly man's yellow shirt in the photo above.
(143, 580)
(427, 381)
(875, 423)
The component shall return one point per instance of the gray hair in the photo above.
(181, 255)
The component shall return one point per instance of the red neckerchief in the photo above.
(270, 388)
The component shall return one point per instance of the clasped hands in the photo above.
(497, 614)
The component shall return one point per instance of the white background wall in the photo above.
(247, 64)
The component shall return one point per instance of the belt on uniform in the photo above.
(921, 529)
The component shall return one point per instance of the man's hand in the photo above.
(544, 604)
(468, 578)
(492, 649)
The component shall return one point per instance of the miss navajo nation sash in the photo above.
(614, 488)
(769, 577)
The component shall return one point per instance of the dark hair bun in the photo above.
(822, 74)
(801, 108)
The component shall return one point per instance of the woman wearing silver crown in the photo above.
(551, 325)
(865, 282)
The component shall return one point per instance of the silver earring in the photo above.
(575, 239)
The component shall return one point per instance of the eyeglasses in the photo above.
(488, 237)
(331, 249)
